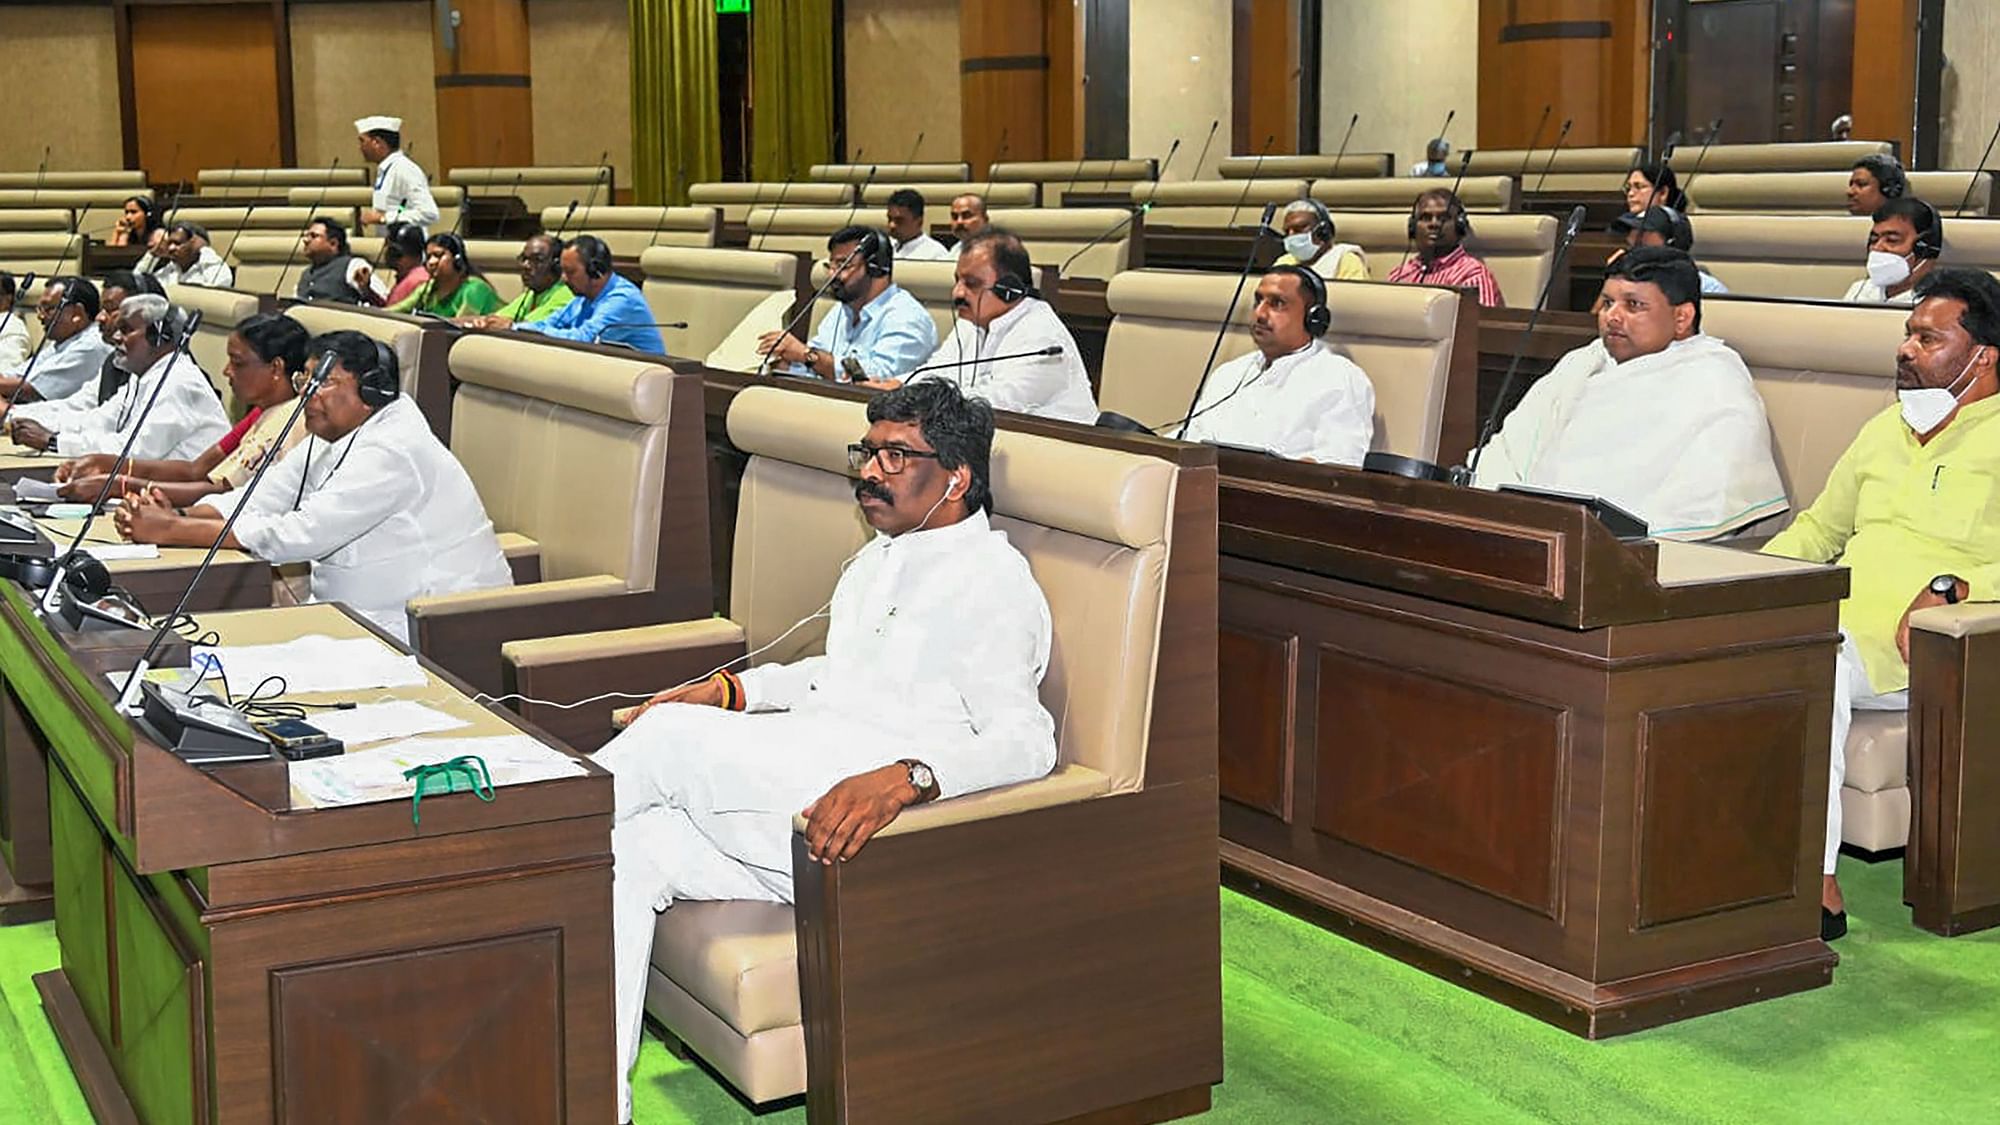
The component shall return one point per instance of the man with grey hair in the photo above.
(1309, 243)
(191, 261)
(186, 419)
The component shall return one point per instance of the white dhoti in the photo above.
(705, 800)
(1851, 693)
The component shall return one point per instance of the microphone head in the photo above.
(1575, 222)
(193, 322)
(1270, 212)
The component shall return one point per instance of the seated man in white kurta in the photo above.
(372, 499)
(1292, 396)
(1653, 415)
(936, 644)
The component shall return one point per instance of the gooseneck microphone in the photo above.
(1344, 138)
(299, 242)
(1714, 130)
(1122, 223)
(1529, 153)
(1466, 474)
(1161, 173)
(1553, 152)
(805, 310)
(1228, 314)
(562, 228)
(862, 191)
(1255, 168)
(596, 182)
(1038, 353)
(1972, 181)
(755, 199)
(500, 226)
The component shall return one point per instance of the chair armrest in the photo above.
(1066, 786)
(524, 557)
(640, 660)
(1965, 620)
(516, 597)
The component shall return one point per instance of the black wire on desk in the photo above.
(258, 705)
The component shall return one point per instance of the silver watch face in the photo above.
(920, 778)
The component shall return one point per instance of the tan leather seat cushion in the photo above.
(232, 183)
(450, 201)
(713, 290)
(1313, 166)
(109, 179)
(1213, 204)
(1809, 156)
(1062, 171)
(96, 209)
(1875, 821)
(222, 221)
(740, 959)
(938, 196)
(538, 187)
(736, 201)
(629, 231)
(44, 220)
(1053, 235)
(1878, 751)
(263, 261)
(39, 251)
(1825, 193)
(803, 229)
(935, 172)
(498, 259)
(1478, 193)
(221, 311)
(1614, 159)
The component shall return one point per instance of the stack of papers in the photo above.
(119, 552)
(367, 776)
(314, 663)
(377, 722)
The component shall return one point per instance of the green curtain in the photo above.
(676, 111)
(791, 87)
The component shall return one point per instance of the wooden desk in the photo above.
(1205, 248)
(234, 581)
(1951, 868)
(230, 958)
(498, 217)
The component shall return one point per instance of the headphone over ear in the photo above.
(381, 384)
(1458, 216)
(1319, 318)
(878, 254)
(595, 255)
(168, 327)
(1009, 288)
(455, 246)
(1323, 229)
(1930, 237)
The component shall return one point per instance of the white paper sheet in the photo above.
(316, 663)
(119, 552)
(30, 491)
(375, 722)
(365, 776)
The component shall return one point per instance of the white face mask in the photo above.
(1886, 269)
(1301, 246)
(1926, 408)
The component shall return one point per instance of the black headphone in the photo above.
(87, 578)
(594, 254)
(168, 327)
(381, 384)
(1009, 288)
(1930, 237)
(1458, 216)
(1319, 318)
(455, 246)
(1323, 230)
(878, 255)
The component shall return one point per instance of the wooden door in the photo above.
(1585, 59)
(484, 110)
(1771, 70)
(206, 85)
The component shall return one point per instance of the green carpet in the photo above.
(1321, 1030)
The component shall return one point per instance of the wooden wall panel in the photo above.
(1885, 71)
(1003, 75)
(484, 101)
(203, 86)
(1267, 75)
(1063, 32)
(1587, 58)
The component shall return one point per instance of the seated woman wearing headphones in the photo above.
(265, 352)
(1309, 242)
(456, 287)
(378, 506)
(1903, 246)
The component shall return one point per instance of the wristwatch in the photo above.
(1946, 586)
(921, 779)
(811, 358)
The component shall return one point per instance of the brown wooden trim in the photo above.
(517, 81)
(128, 105)
(1556, 29)
(1241, 67)
(288, 136)
(94, 1074)
(1310, 54)
(1004, 62)
(21, 905)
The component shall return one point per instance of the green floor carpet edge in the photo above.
(1318, 1029)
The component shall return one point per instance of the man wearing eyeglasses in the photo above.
(936, 644)
(543, 292)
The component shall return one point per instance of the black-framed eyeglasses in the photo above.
(892, 458)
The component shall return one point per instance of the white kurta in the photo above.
(50, 414)
(924, 248)
(187, 419)
(65, 365)
(1678, 438)
(1052, 386)
(13, 343)
(936, 646)
(1866, 292)
(403, 192)
(208, 270)
(384, 515)
(1309, 405)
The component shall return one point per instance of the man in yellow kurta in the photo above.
(1912, 509)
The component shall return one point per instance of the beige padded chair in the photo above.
(97, 210)
(936, 172)
(272, 263)
(274, 183)
(1478, 193)
(41, 220)
(1601, 169)
(223, 223)
(1054, 235)
(1808, 156)
(1825, 193)
(129, 182)
(1403, 336)
(450, 202)
(630, 231)
(736, 201)
(1312, 166)
(1823, 372)
(498, 260)
(602, 463)
(804, 230)
(720, 293)
(929, 282)
(1816, 256)
(1519, 249)
(539, 187)
(221, 311)
(1058, 177)
(1212, 204)
(41, 252)
(938, 196)
(420, 355)
(783, 1001)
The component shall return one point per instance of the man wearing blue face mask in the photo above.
(1309, 242)
(1903, 245)
(1912, 509)
(1435, 154)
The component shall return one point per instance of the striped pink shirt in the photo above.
(1456, 270)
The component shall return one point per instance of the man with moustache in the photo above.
(968, 218)
(185, 415)
(111, 373)
(878, 331)
(1911, 509)
(72, 355)
(936, 644)
(543, 292)
(1438, 227)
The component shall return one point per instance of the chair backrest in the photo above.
(56, 220)
(97, 210)
(1807, 156)
(450, 202)
(630, 231)
(1519, 249)
(1569, 161)
(1212, 204)
(736, 201)
(221, 311)
(539, 187)
(110, 179)
(1053, 234)
(569, 449)
(937, 171)
(1164, 322)
(1823, 370)
(1399, 193)
(1812, 256)
(938, 196)
(40, 251)
(498, 260)
(1312, 166)
(1092, 522)
(929, 282)
(403, 334)
(1057, 177)
(260, 260)
(804, 229)
(252, 183)
(222, 222)
(1825, 193)
(714, 291)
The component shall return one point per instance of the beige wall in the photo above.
(352, 60)
(60, 66)
(580, 64)
(1402, 66)
(1971, 87)
(1181, 70)
(902, 79)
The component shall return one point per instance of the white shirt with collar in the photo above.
(184, 422)
(208, 270)
(1054, 386)
(14, 343)
(65, 366)
(923, 248)
(403, 192)
(1310, 405)
(48, 413)
(384, 515)
(1866, 292)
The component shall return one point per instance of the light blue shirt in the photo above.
(1710, 284)
(892, 337)
(618, 314)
